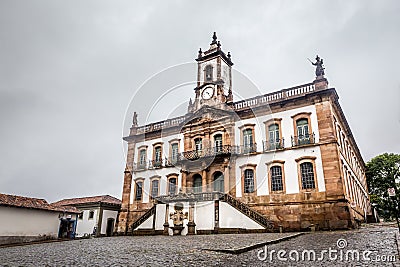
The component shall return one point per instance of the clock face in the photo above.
(207, 93)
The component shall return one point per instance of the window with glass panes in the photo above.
(139, 190)
(273, 133)
(154, 187)
(276, 178)
(198, 144)
(248, 140)
(157, 154)
(197, 183)
(172, 186)
(218, 142)
(302, 128)
(307, 175)
(174, 152)
(248, 181)
(142, 157)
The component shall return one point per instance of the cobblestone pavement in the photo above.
(190, 250)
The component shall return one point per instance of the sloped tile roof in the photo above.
(32, 203)
(107, 199)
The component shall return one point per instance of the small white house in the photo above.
(26, 219)
(98, 214)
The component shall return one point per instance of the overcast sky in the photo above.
(68, 70)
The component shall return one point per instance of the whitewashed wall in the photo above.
(289, 156)
(85, 226)
(107, 214)
(204, 215)
(28, 222)
(232, 218)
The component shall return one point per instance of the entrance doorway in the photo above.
(110, 227)
(67, 229)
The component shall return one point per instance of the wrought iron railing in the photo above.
(208, 152)
(303, 140)
(246, 149)
(249, 212)
(143, 218)
(273, 145)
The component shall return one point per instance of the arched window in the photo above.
(218, 180)
(139, 190)
(276, 178)
(209, 73)
(218, 143)
(197, 183)
(248, 181)
(307, 175)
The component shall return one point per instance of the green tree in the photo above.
(383, 172)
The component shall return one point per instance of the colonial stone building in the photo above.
(285, 159)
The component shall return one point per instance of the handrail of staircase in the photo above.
(242, 207)
(143, 218)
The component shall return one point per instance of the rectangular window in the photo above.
(198, 144)
(172, 186)
(276, 178)
(174, 153)
(139, 190)
(154, 188)
(218, 143)
(248, 181)
(307, 175)
(157, 157)
(248, 141)
(142, 157)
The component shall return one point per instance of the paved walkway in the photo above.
(373, 242)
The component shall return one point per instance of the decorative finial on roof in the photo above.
(229, 55)
(214, 38)
(200, 53)
(218, 45)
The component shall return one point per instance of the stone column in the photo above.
(166, 224)
(184, 183)
(226, 179)
(191, 224)
(204, 181)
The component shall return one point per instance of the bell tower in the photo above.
(214, 77)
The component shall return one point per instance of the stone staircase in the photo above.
(208, 196)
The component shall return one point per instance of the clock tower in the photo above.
(214, 77)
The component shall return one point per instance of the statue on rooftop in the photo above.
(134, 120)
(319, 71)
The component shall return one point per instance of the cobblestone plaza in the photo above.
(215, 250)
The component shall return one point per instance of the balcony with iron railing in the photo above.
(223, 150)
(272, 145)
(301, 140)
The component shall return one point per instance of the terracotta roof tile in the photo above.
(88, 200)
(32, 203)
